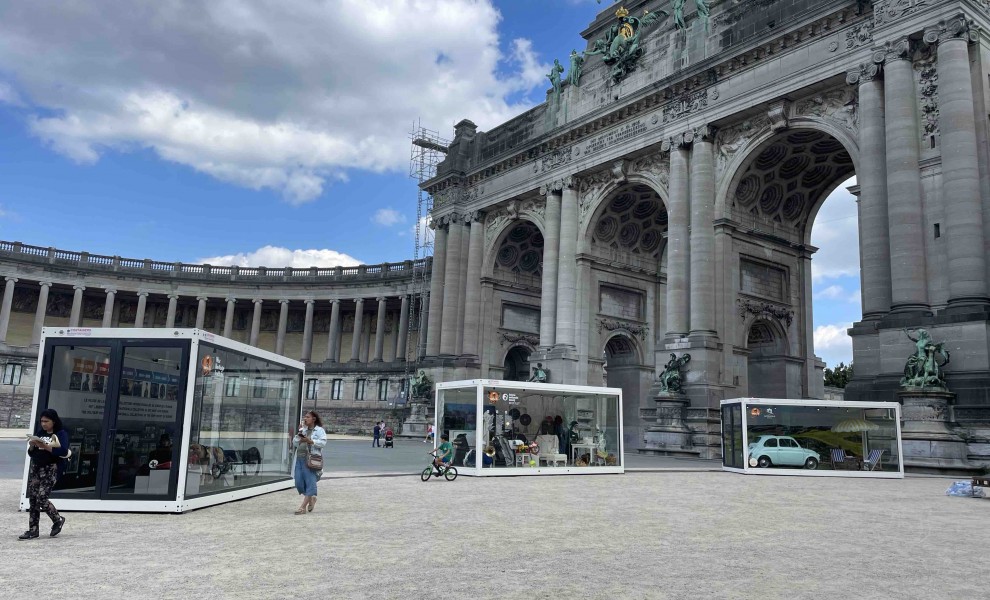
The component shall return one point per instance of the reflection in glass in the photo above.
(143, 459)
(822, 437)
(81, 410)
(240, 434)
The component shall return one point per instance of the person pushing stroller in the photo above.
(389, 436)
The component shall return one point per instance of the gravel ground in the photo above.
(638, 535)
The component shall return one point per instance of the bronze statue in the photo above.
(577, 62)
(670, 379)
(422, 385)
(924, 368)
(539, 374)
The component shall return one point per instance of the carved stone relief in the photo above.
(839, 105)
(59, 304)
(640, 330)
(92, 308)
(25, 300)
(689, 103)
(765, 309)
(590, 186)
(729, 140)
(656, 165)
(928, 83)
(513, 337)
(886, 11)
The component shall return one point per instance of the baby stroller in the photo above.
(388, 438)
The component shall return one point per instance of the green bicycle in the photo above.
(449, 473)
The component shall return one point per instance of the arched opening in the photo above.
(778, 196)
(625, 370)
(768, 364)
(516, 364)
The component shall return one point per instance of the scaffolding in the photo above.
(427, 150)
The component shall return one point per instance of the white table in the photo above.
(592, 449)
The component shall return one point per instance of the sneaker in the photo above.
(57, 527)
(28, 535)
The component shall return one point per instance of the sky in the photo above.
(277, 133)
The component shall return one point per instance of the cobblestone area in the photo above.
(638, 535)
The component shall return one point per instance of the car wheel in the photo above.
(811, 463)
(764, 462)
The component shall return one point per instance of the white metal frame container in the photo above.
(178, 504)
(543, 388)
(748, 404)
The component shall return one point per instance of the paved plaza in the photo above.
(639, 535)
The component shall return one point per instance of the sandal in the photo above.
(309, 508)
(300, 511)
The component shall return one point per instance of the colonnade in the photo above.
(895, 273)
(337, 307)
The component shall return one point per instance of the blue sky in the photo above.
(275, 132)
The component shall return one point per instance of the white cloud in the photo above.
(274, 256)
(833, 344)
(836, 233)
(387, 217)
(425, 233)
(261, 94)
(832, 292)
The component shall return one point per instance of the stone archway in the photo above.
(627, 371)
(516, 364)
(777, 191)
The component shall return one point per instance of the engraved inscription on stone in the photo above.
(626, 132)
(520, 318)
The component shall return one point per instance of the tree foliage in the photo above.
(839, 376)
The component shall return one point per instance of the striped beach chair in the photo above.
(873, 460)
(838, 458)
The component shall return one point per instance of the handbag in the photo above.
(314, 462)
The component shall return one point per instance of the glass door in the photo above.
(145, 421)
(77, 389)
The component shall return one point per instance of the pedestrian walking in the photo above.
(47, 447)
(309, 444)
(429, 433)
(378, 434)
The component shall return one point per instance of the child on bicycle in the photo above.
(445, 451)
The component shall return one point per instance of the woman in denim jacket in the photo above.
(310, 440)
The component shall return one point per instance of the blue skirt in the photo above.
(305, 478)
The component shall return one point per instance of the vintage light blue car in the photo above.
(781, 450)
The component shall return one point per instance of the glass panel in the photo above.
(77, 391)
(456, 417)
(732, 447)
(822, 437)
(241, 440)
(144, 457)
(528, 428)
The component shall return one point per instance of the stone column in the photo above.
(960, 169)
(462, 284)
(380, 331)
(141, 307)
(472, 289)
(678, 242)
(334, 335)
(356, 339)
(403, 334)
(452, 285)
(307, 342)
(283, 322)
(75, 314)
(435, 316)
(567, 267)
(8, 298)
(201, 311)
(874, 229)
(702, 243)
(39, 314)
(173, 303)
(422, 315)
(108, 307)
(551, 254)
(909, 285)
(228, 319)
(256, 322)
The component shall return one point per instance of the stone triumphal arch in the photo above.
(660, 201)
(668, 187)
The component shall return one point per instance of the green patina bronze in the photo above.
(670, 379)
(577, 62)
(620, 46)
(924, 368)
(704, 13)
(554, 76)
